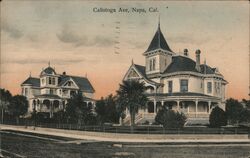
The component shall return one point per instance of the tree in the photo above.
(5, 99)
(131, 95)
(170, 118)
(18, 106)
(77, 110)
(106, 110)
(244, 116)
(218, 117)
(233, 109)
(247, 103)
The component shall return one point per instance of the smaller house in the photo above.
(50, 92)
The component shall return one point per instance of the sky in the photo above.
(101, 45)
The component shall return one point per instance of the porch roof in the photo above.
(49, 96)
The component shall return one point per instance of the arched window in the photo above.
(154, 64)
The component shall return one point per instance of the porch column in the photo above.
(51, 108)
(178, 105)
(162, 103)
(209, 107)
(196, 107)
(155, 106)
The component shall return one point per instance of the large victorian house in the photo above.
(177, 82)
(49, 93)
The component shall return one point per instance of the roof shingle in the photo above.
(32, 81)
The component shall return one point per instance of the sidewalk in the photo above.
(138, 138)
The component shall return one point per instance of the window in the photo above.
(51, 91)
(65, 92)
(209, 87)
(152, 63)
(26, 91)
(50, 81)
(170, 86)
(218, 87)
(201, 84)
(53, 81)
(69, 83)
(184, 85)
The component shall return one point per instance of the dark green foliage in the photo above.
(18, 106)
(131, 95)
(233, 110)
(106, 110)
(5, 99)
(244, 116)
(217, 117)
(247, 103)
(77, 110)
(170, 118)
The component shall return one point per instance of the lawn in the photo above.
(35, 147)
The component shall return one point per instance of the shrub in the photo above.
(244, 116)
(217, 117)
(170, 118)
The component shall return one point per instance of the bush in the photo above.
(244, 116)
(170, 118)
(217, 117)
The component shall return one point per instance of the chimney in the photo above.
(186, 52)
(197, 54)
(64, 73)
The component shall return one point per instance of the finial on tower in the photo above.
(30, 73)
(132, 61)
(49, 63)
(86, 75)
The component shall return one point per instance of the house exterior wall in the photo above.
(162, 61)
(195, 84)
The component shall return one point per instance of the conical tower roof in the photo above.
(158, 41)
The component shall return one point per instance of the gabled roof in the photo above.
(158, 42)
(181, 63)
(32, 81)
(141, 69)
(82, 82)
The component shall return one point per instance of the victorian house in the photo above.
(177, 82)
(49, 93)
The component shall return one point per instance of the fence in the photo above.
(146, 129)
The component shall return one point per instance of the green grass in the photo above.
(34, 147)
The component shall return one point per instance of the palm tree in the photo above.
(131, 95)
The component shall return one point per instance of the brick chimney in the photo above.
(197, 54)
